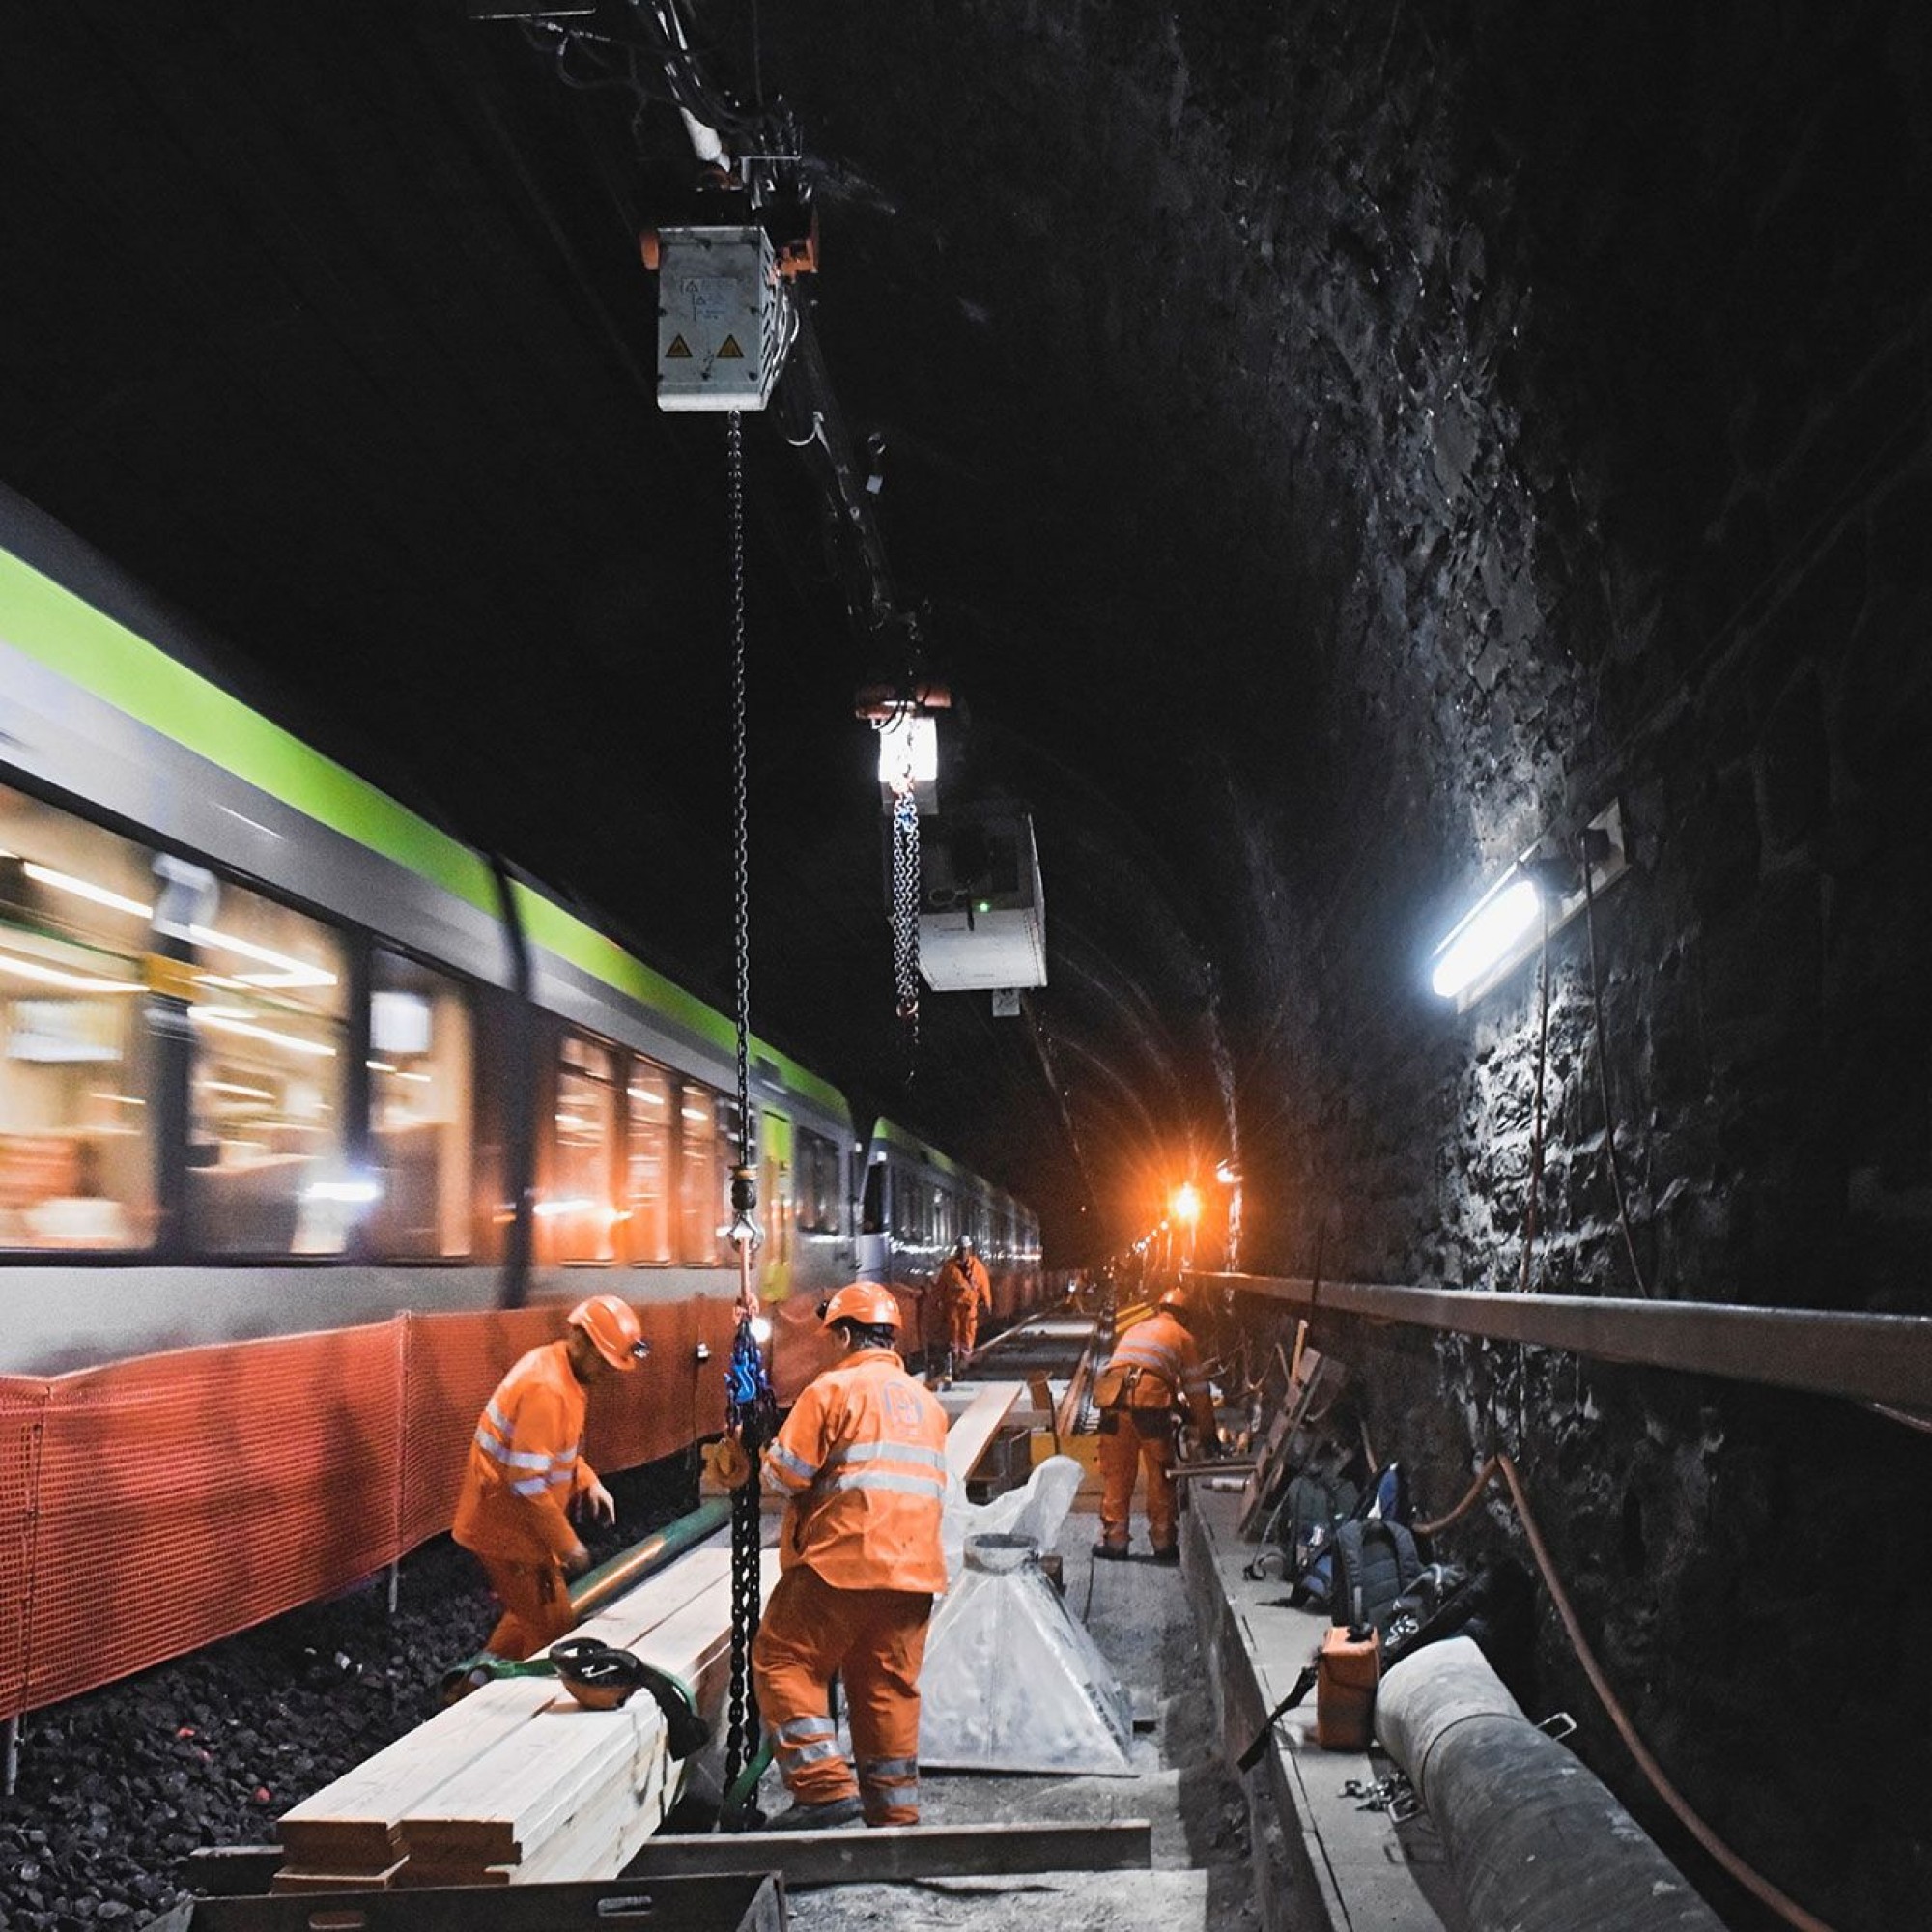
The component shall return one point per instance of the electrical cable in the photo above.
(1759, 1887)
(1603, 1079)
(1536, 1132)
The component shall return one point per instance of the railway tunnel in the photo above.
(1362, 477)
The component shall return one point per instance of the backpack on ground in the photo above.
(1314, 1503)
(1374, 1563)
(1311, 1505)
(1384, 1499)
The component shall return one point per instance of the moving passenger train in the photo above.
(279, 1055)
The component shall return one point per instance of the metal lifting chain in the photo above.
(751, 1412)
(905, 910)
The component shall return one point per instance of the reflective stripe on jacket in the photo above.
(964, 1281)
(525, 1463)
(862, 1458)
(1170, 1368)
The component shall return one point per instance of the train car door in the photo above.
(778, 1205)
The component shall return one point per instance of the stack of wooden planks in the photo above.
(519, 1783)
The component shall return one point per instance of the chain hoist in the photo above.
(750, 1407)
(905, 909)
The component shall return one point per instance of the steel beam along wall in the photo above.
(156, 1505)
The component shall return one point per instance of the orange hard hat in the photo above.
(614, 1329)
(864, 1302)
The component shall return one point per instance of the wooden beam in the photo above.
(967, 1439)
(353, 1826)
(894, 1853)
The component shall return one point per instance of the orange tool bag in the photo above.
(1347, 1671)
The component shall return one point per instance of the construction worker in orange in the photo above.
(964, 1288)
(1154, 1367)
(862, 1459)
(527, 1474)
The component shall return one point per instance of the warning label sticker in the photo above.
(679, 350)
(729, 352)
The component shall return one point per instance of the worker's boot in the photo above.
(1111, 1553)
(1169, 1554)
(817, 1817)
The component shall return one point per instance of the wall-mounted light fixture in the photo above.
(1542, 890)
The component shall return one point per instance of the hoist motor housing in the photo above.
(982, 910)
(723, 319)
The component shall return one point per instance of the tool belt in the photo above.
(1114, 1393)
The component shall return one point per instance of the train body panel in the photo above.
(281, 1055)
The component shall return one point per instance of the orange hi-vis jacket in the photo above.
(964, 1281)
(1170, 1368)
(862, 1458)
(525, 1463)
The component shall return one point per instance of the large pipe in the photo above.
(1536, 1842)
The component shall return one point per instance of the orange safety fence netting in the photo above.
(153, 1506)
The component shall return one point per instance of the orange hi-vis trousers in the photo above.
(1123, 1452)
(535, 1601)
(875, 1642)
(962, 1324)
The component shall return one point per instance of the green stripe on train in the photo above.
(903, 1137)
(547, 925)
(49, 623)
(46, 622)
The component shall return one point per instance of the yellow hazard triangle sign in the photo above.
(729, 352)
(679, 350)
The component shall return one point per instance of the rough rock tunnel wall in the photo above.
(1462, 417)
(1604, 362)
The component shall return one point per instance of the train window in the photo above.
(420, 1113)
(579, 1207)
(872, 1206)
(701, 1206)
(647, 1189)
(818, 1203)
(76, 1137)
(778, 1205)
(267, 1169)
(912, 1204)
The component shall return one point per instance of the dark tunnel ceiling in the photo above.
(335, 333)
(328, 323)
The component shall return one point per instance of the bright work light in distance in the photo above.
(1186, 1203)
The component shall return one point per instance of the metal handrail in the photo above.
(1878, 1359)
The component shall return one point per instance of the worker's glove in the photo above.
(598, 1504)
(577, 1561)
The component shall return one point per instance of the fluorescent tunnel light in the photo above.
(1487, 936)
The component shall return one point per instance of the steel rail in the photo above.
(629, 1568)
(1079, 1385)
(1878, 1359)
